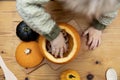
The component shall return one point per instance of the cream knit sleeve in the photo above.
(35, 16)
(107, 18)
(101, 22)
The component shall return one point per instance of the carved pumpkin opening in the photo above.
(73, 42)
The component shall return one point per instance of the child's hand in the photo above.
(58, 46)
(93, 37)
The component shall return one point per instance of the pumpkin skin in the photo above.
(25, 33)
(28, 54)
(70, 75)
(74, 44)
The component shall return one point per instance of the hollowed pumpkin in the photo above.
(73, 43)
(69, 75)
(28, 54)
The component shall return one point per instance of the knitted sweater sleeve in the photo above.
(104, 20)
(37, 18)
(101, 22)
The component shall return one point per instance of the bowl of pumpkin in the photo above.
(72, 40)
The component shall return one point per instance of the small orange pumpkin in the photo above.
(70, 75)
(28, 54)
(74, 45)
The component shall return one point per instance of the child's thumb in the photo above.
(85, 33)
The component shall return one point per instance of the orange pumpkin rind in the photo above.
(75, 45)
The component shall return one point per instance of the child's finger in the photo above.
(56, 52)
(61, 52)
(89, 41)
(99, 42)
(95, 44)
(92, 44)
(65, 48)
(53, 50)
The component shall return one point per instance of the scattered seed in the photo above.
(97, 62)
(90, 76)
(2, 52)
(26, 78)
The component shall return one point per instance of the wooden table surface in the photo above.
(106, 55)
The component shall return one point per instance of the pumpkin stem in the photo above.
(27, 51)
(71, 76)
(26, 29)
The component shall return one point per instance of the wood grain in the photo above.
(94, 62)
(1, 74)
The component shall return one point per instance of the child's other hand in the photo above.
(58, 46)
(93, 37)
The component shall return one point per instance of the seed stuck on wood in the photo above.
(90, 76)
(26, 78)
(97, 62)
(2, 52)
